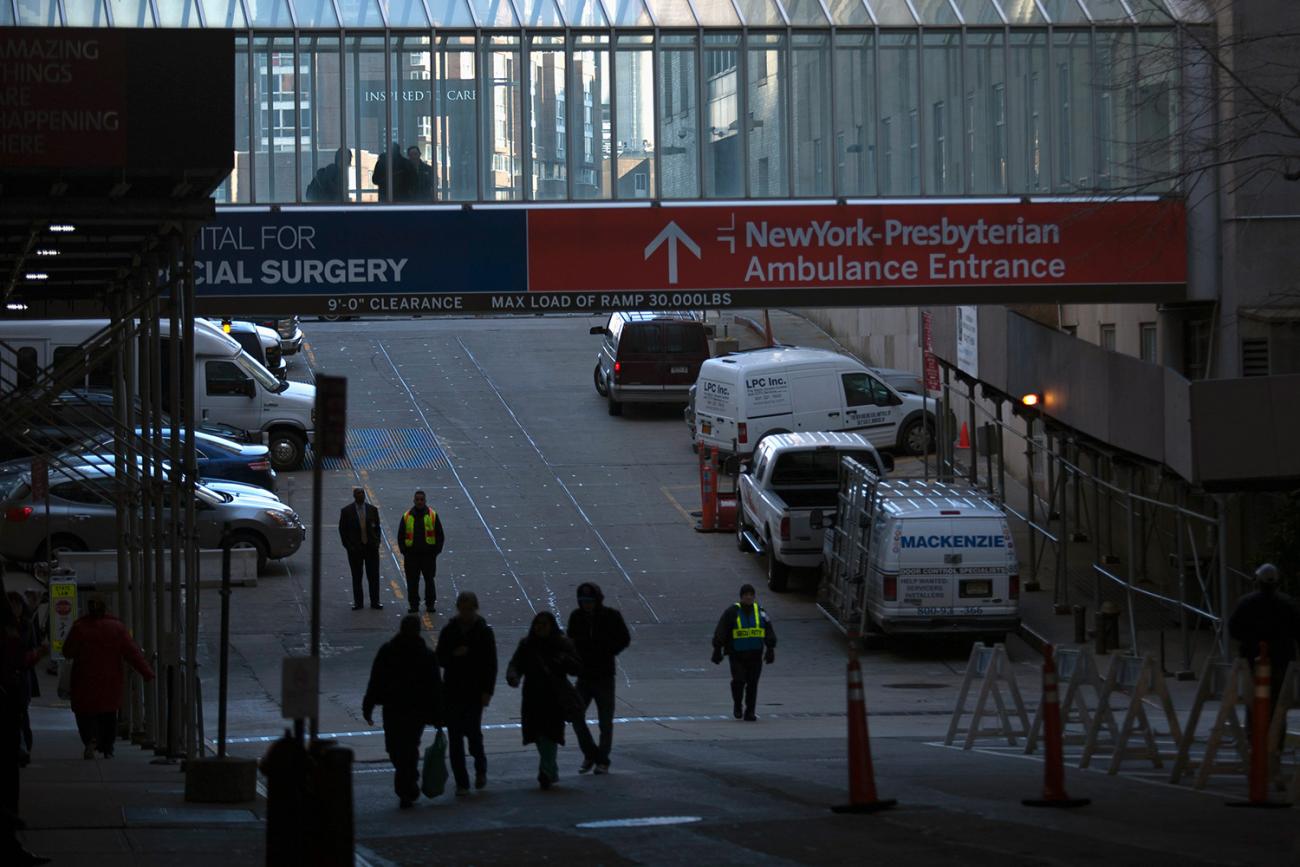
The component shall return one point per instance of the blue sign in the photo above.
(312, 251)
(953, 542)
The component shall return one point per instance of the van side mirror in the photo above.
(598, 329)
(887, 462)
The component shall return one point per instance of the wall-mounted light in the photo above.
(37, 275)
(62, 227)
(1032, 399)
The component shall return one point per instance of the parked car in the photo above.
(291, 336)
(649, 357)
(83, 517)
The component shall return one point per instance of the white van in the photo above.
(742, 397)
(230, 387)
(941, 560)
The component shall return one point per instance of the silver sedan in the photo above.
(83, 517)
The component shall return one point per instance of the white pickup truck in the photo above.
(791, 475)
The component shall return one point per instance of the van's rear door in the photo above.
(925, 575)
(983, 575)
(639, 350)
(685, 348)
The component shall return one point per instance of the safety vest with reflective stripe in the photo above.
(408, 527)
(749, 637)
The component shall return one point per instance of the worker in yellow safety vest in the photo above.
(745, 635)
(420, 539)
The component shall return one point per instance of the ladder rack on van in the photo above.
(842, 595)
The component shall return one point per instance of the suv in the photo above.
(649, 357)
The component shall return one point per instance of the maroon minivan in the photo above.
(649, 357)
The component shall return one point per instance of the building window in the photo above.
(1147, 335)
(1254, 356)
(1108, 336)
(641, 184)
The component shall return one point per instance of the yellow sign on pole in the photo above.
(63, 613)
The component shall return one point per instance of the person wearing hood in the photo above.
(467, 651)
(542, 663)
(404, 679)
(599, 634)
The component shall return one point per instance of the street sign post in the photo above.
(63, 613)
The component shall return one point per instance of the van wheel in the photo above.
(917, 438)
(288, 448)
(615, 407)
(600, 383)
(778, 574)
(243, 540)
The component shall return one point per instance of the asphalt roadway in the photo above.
(539, 490)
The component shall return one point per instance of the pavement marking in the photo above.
(609, 552)
(690, 519)
(468, 496)
(641, 822)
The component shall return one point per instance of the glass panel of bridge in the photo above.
(629, 13)
(367, 118)
(943, 107)
(805, 13)
(855, 113)
(723, 161)
(237, 187)
(132, 13)
(1115, 108)
(679, 116)
(270, 14)
(590, 109)
(227, 14)
(1107, 11)
(976, 13)
(717, 13)
(768, 78)
(450, 14)
(359, 13)
(1158, 66)
(672, 13)
(314, 14)
(849, 13)
(85, 13)
(275, 119)
(760, 13)
(503, 166)
(494, 13)
(455, 120)
(899, 138)
(986, 111)
(1027, 80)
(634, 127)
(540, 13)
(1027, 12)
(936, 13)
(409, 14)
(323, 158)
(178, 13)
(811, 113)
(583, 13)
(412, 107)
(892, 13)
(38, 13)
(1060, 11)
(1072, 133)
(1191, 11)
(548, 118)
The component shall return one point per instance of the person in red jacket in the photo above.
(98, 644)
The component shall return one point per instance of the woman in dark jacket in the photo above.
(542, 661)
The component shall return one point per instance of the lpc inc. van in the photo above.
(230, 387)
(742, 397)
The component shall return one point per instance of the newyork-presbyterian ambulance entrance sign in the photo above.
(368, 261)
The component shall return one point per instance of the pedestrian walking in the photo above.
(542, 662)
(28, 685)
(599, 634)
(98, 643)
(745, 635)
(420, 539)
(359, 532)
(1267, 615)
(15, 665)
(404, 680)
(467, 652)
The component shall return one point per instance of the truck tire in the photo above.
(288, 449)
(242, 539)
(778, 574)
(615, 407)
(600, 383)
(917, 437)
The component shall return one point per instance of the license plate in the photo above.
(976, 588)
(679, 368)
(706, 427)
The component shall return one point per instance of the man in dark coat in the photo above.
(404, 679)
(15, 664)
(600, 634)
(1271, 616)
(330, 182)
(542, 662)
(98, 644)
(359, 532)
(420, 539)
(742, 633)
(467, 651)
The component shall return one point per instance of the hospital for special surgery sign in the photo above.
(878, 245)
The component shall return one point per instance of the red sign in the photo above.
(895, 246)
(927, 345)
(63, 607)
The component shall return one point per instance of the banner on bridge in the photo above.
(369, 260)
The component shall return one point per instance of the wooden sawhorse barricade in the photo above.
(1230, 684)
(1137, 678)
(1077, 671)
(990, 667)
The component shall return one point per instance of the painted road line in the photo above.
(690, 519)
(609, 552)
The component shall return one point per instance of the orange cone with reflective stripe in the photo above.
(1054, 794)
(862, 777)
(1260, 717)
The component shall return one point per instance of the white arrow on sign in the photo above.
(672, 233)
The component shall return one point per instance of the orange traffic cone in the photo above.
(1054, 768)
(862, 778)
(1260, 717)
(963, 442)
